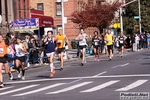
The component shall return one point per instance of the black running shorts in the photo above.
(3, 60)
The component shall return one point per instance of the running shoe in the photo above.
(95, 59)
(110, 58)
(19, 75)
(52, 73)
(23, 77)
(98, 60)
(61, 69)
(11, 77)
(1, 85)
(81, 64)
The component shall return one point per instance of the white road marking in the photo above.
(120, 65)
(101, 86)
(100, 74)
(86, 77)
(124, 64)
(41, 89)
(23, 88)
(133, 85)
(6, 88)
(70, 88)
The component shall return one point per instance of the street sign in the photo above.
(136, 17)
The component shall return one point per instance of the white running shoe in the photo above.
(19, 75)
(23, 77)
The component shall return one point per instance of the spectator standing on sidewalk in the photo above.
(137, 41)
(96, 45)
(3, 60)
(148, 40)
(109, 38)
(60, 48)
(50, 50)
(82, 37)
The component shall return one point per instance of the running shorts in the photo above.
(21, 59)
(3, 60)
(60, 50)
(82, 47)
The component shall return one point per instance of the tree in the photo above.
(132, 10)
(99, 16)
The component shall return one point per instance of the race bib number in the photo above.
(1, 50)
(82, 43)
(59, 41)
(121, 41)
(96, 43)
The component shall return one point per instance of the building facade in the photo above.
(6, 14)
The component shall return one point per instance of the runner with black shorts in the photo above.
(109, 38)
(82, 44)
(61, 39)
(3, 61)
(121, 40)
(96, 46)
(20, 58)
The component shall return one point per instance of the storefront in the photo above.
(35, 25)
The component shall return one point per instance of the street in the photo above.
(103, 80)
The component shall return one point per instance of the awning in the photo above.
(44, 21)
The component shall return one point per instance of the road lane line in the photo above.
(38, 90)
(116, 66)
(85, 77)
(133, 85)
(124, 64)
(101, 86)
(100, 74)
(75, 81)
(6, 88)
(16, 90)
(70, 88)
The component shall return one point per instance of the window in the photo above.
(58, 9)
(40, 6)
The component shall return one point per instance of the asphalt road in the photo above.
(103, 80)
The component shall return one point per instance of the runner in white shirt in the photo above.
(82, 44)
(20, 58)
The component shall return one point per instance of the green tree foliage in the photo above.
(132, 10)
(99, 16)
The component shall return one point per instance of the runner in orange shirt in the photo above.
(3, 61)
(61, 39)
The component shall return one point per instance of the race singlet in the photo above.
(83, 41)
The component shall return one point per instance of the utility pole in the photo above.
(140, 16)
(62, 15)
(121, 20)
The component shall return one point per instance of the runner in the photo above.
(109, 38)
(3, 61)
(20, 58)
(82, 44)
(96, 45)
(61, 39)
(121, 40)
(50, 50)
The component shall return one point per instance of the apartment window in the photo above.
(24, 8)
(58, 9)
(40, 6)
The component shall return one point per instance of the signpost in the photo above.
(136, 17)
